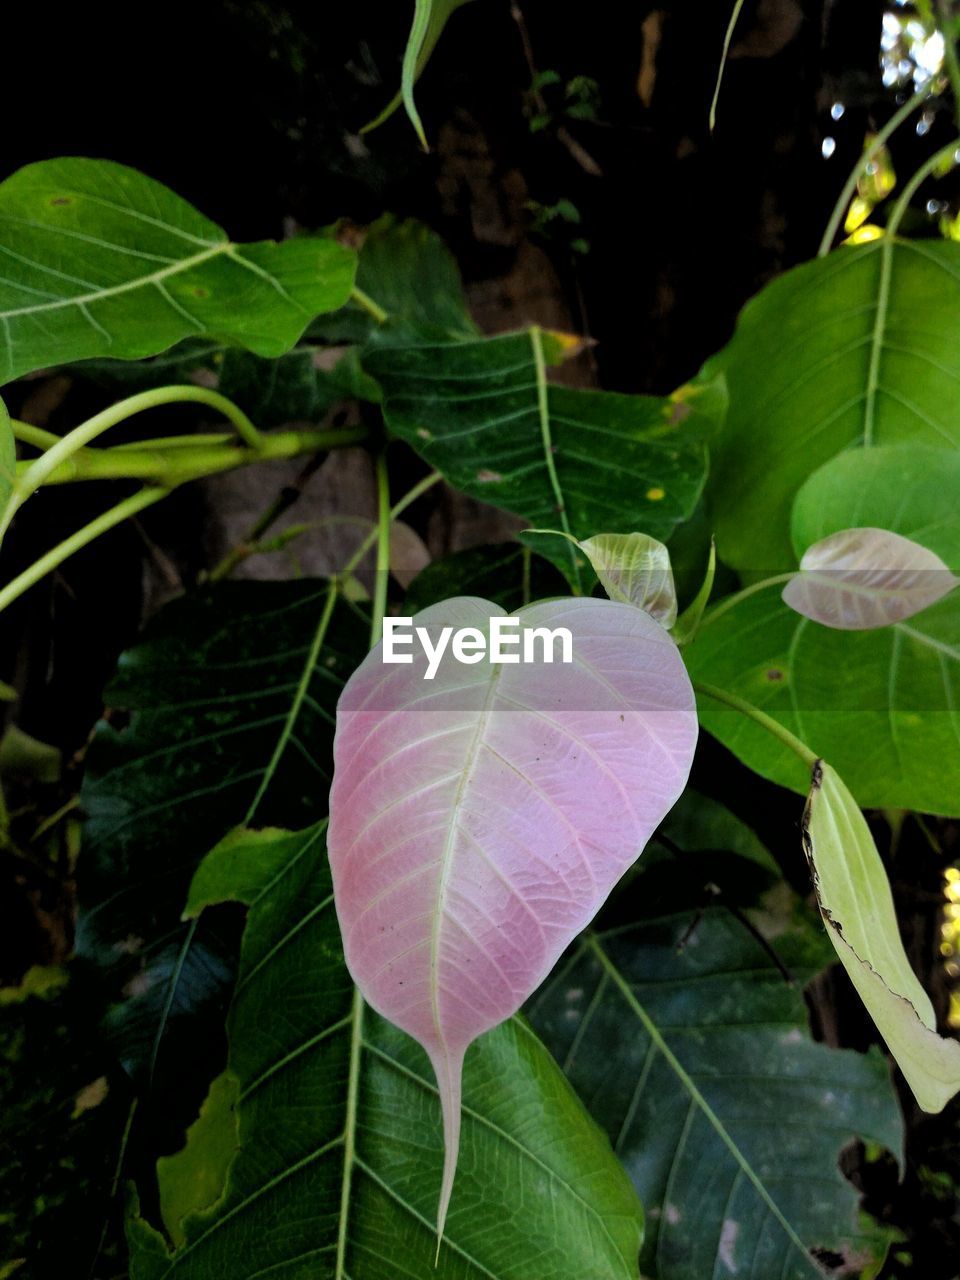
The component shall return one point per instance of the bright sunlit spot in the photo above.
(911, 50)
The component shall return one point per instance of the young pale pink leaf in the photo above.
(860, 579)
(479, 819)
(635, 568)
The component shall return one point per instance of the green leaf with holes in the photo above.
(98, 260)
(484, 413)
(338, 1123)
(882, 706)
(692, 1049)
(222, 712)
(858, 348)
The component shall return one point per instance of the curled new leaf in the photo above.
(857, 907)
(635, 569)
(480, 817)
(860, 579)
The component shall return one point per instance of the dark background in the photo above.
(251, 111)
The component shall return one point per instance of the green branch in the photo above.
(759, 717)
(382, 570)
(936, 161)
(367, 303)
(879, 142)
(38, 471)
(40, 568)
(174, 461)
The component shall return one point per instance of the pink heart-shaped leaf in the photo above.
(479, 819)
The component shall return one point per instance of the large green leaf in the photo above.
(98, 260)
(882, 706)
(693, 1052)
(859, 348)
(339, 1131)
(406, 270)
(230, 705)
(484, 414)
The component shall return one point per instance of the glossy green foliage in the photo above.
(230, 718)
(857, 348)
(338, 1129)
(691, 1048)
(99, 260)
(507, 574)
(484, 414)
(879, 705)
(402, 265)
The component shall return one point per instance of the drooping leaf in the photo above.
(880, 705)
(635, 569)
(857, 908)
(484, 414)
(861, 579)
(339, 1126)
(478, 821)
(230, 695)
(99, 260)
(691, 1048)
(855, 348)
(429, 19)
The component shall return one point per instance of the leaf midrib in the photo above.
(593, 942)
(79, 300)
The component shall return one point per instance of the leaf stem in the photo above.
(37, 472)
(152, 460)
(40, 568)
(879, 142)
(728, 36)
(382, 570)
(418, 490)
(910, 190)
(759, 717)
(367, 303)
(729, 602)
(29, 434)
(543, 409)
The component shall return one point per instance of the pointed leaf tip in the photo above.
(479, 821)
